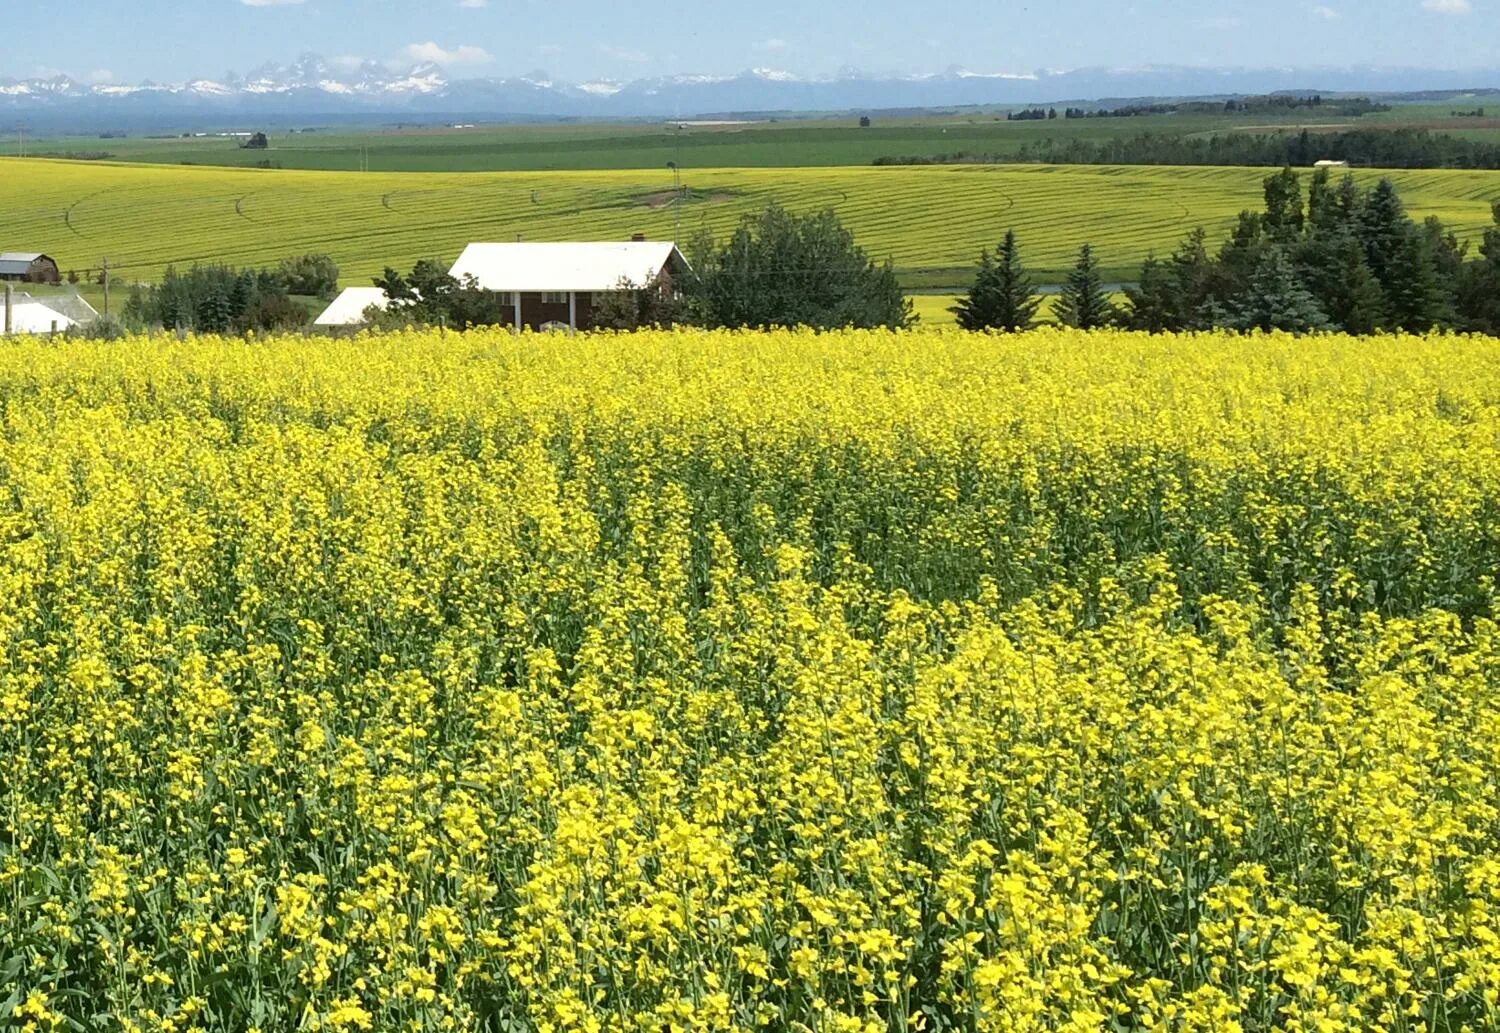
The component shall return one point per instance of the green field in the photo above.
(638, 145)
(930, 221)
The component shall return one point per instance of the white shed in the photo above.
(348, 309)
(33, 317)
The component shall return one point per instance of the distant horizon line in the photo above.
(346, 72)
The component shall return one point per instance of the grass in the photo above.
(931, 222)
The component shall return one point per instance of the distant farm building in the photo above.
(555, 284)
(349, 308)
(28, 267)
(1328, 163)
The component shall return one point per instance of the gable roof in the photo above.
(32, 317)
(71, 305)
(18, 263)
(348, 309)
(591, 266)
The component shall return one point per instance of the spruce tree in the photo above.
(1284, 214)
(1275, 299)
(1153, 299)
(1384, 230)
(1083, 303)
(1479, 285)
(1002, 297)
(1333, 267)
(1416, 295)
(1322, 204)
(1198, 280)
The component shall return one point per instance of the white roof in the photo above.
(32, 317)
(20, 256)
(596, 266)
(348, 309)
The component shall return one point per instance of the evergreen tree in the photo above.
(1322, 203)
(1384, 230)
(1084, 303)
(1198, 279)
(1348, 202)
(1275, 299)
(1478, 301)
(1416, 295)
(1153, 299)
(1002, 297)
(1241, 255)
(1284, 217)
(1332, 265)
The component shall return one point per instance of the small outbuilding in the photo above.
(33, 317)
(28, 267)
(349, 308)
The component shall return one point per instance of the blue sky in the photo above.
(171, 40)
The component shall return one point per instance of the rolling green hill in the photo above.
(930, 221)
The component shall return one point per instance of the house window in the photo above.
(554, 297)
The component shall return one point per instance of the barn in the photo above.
(558, 284)
(28, 267)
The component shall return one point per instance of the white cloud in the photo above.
(623, 53)
(269, 3)
(473, 3)
(772, 44)
(1448, 6)
(1326, 13)
(99, 76)
(434, 54)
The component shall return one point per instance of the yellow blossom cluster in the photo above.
(750, 681)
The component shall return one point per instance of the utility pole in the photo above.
(676, 200)
(106, 286)
(9, 305)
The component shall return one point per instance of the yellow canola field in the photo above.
(710, 681)
(144, 218)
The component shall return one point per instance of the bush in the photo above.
(783, 269)
(312, 275)
(103, 328)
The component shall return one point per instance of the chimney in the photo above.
(638, 238)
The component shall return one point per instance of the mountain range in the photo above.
(311, 87)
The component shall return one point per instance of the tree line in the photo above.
(1272, 104)
(1376, 148)
(1335, 258)
(219, 299)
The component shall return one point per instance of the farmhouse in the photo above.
(28, 267)
(558, 284)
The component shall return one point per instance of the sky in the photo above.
(579, 40)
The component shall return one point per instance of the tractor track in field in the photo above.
(68, 212)
(239, 208)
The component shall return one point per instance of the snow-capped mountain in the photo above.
(311, 86)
